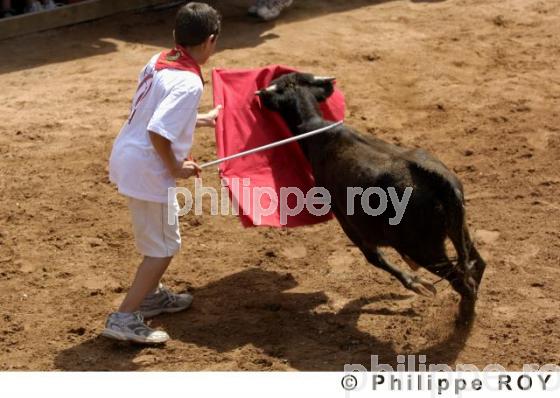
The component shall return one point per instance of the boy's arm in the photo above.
(177, 169)
(208, 119)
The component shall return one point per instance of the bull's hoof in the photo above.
(422, 287)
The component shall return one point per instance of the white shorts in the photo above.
(155, 236)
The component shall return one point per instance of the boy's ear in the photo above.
(210, 40)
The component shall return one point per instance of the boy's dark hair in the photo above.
(195, 23)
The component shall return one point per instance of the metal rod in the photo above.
(272, 145)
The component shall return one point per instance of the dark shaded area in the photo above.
(18, 7)
(253, 307)
(153, 27)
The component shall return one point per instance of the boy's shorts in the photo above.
(154, 235)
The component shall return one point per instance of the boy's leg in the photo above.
(158, 241)
(150, 297)
(128, 322)
(145, 282)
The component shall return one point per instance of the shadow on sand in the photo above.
(255, 307)
(153, 27)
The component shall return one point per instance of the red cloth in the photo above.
(178, 58)
(245, 124)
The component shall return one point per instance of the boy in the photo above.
(149, 155)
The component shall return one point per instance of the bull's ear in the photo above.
(321, 94)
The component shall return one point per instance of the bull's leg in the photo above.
(469, 261)
(468, 295)
(411, 263)
(479, 264)
(411, 282)
(466, 277)
(437, 262)
(374, 257)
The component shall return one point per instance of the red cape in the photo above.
(245, 124)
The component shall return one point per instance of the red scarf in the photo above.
(178, 58)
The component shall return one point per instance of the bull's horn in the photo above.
(269, 89)
(324, 78)
(272, 88)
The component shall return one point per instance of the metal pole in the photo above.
(272, 145)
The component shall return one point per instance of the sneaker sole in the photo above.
(130, 337)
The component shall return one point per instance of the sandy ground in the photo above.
(476, 82)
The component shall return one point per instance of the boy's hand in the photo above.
(209, 119)
(187, 169)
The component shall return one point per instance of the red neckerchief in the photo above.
(178, 58)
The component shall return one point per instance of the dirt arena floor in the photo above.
(477, 82)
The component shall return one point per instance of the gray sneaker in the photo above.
(164, 301)
(271, 9)
(49, 5)
(253, 10)
(132, 328)
(34, 6)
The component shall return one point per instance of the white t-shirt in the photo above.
(165, 103)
